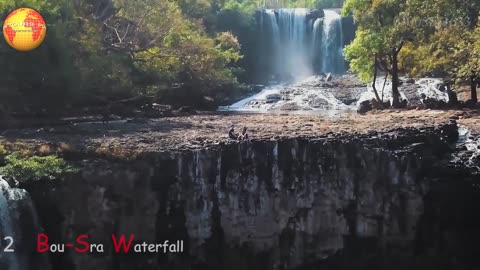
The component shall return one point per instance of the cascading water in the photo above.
(287, 47)
(317, 43)
(295, 44)
(18, 230)
(332, 45)
(8, 260)
(275, 40)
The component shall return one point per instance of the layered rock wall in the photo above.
(266, 204)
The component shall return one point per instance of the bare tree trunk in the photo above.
(473, 88)
(452, 96)
(375, 70)
(395, 92)
(384, 83)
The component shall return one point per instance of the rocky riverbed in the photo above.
(337, 92)
(143, 135)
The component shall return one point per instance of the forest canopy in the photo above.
(201, 52)
(436, 38)
(100, 51)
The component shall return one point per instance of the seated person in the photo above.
(231, 133)
(244, 135)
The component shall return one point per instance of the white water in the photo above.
(311, 94)
(293, 45)
(16, 206)
(470, 143)
(426, 86)
(305, 95)
(6, 225)
(296, 46)
(431, 88)
(289, 47)
(332, 43)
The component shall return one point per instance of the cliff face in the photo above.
(278, 204)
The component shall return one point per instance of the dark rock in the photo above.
(258, 87)
(329, 77)
(314, 14)
(410, 81)
(185, 110)
(452, 98)
(430, 103)
(471, 104)
(367, 187)
(364, 107)
(378, 105)
(273, 97)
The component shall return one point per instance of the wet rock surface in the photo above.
(342, 92)
(321, 92)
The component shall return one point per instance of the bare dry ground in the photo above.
(126, 138)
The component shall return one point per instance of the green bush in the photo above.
(23, 169)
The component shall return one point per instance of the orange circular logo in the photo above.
(24, 29)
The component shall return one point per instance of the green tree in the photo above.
(445, 41)
(380, 39)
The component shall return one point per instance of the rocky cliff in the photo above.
(262, 204)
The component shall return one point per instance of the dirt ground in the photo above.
(198, 131)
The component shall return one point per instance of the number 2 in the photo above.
(9, 246)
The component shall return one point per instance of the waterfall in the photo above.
(10, 260)
(287, 47)
(18, 220)
(275, 39)
(295, 44)
(316, 43)
(332, 45)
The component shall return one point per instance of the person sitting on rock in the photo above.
(244, 135)
(231, 133)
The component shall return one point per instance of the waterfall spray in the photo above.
(296, 46)
(332, 43)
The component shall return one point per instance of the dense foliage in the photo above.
(18, 163)
(34, 168)
(101, 51)
(418, 38)
(199, 52)
(98, 52)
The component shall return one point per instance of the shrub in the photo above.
(22, 169)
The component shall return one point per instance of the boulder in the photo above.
(431, 103)
(329, 77)
(410, 81)
(274, 97)
(314, 14)
(379, 105)
(364, 107)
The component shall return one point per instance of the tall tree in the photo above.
(379, 21)
(446, 35)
